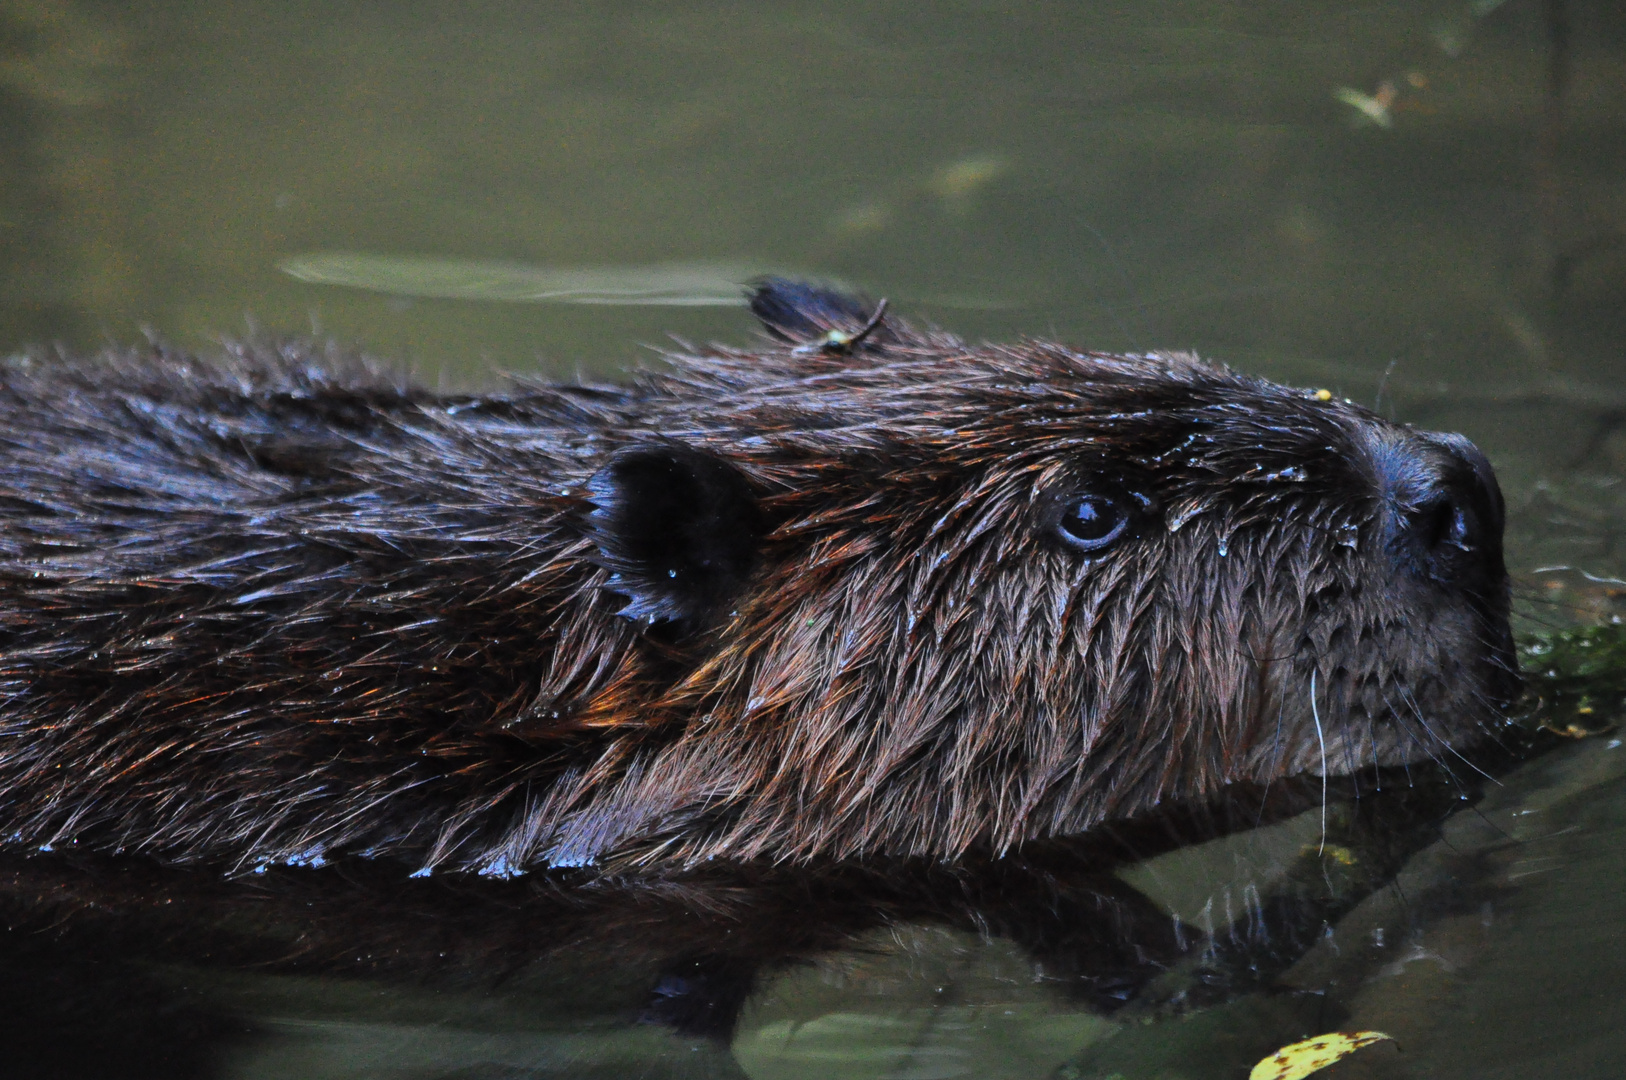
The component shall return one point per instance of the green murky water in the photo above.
(1421, 205)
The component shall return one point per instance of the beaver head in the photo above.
(867, 591)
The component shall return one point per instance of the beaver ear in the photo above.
(679, 529)
(820, 321)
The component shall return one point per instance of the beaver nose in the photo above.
(1446, 507)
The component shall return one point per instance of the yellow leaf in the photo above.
(1312, 1055)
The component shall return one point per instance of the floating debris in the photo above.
(958, 182)
(954, 187)
(1373, 108)
(864, 217)
(1399, 94)
(1312, 1055)
(697, 284)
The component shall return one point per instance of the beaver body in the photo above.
(865, 591)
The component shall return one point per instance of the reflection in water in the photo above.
(1071, 953)
(710, 284)
(668, 284)
(913, 1001)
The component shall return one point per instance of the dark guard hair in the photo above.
(867, 591)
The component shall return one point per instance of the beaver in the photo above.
(863, 590)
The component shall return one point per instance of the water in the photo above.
(1387, 199)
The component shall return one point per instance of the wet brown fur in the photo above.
(277, 606)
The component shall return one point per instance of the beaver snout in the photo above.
(1449, 511)
(1445, 516)
(1446, 511)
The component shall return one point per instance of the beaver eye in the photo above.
(1091, 522)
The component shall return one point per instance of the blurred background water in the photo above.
(1420, 205)
(1423, 200)
(1272, 184)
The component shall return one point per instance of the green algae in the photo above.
(1576, 677)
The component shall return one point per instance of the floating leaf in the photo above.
(1312, 1055)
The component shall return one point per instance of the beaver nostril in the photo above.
(1443, 522)
(1447, 508)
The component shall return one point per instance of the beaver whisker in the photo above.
(1278, 748)
(1372, 744)
(1412, 714)
(1349, 746)
(1439, 740)
(1506, 665)
(1321, 741)
(1497, 723)
(1425, 750)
